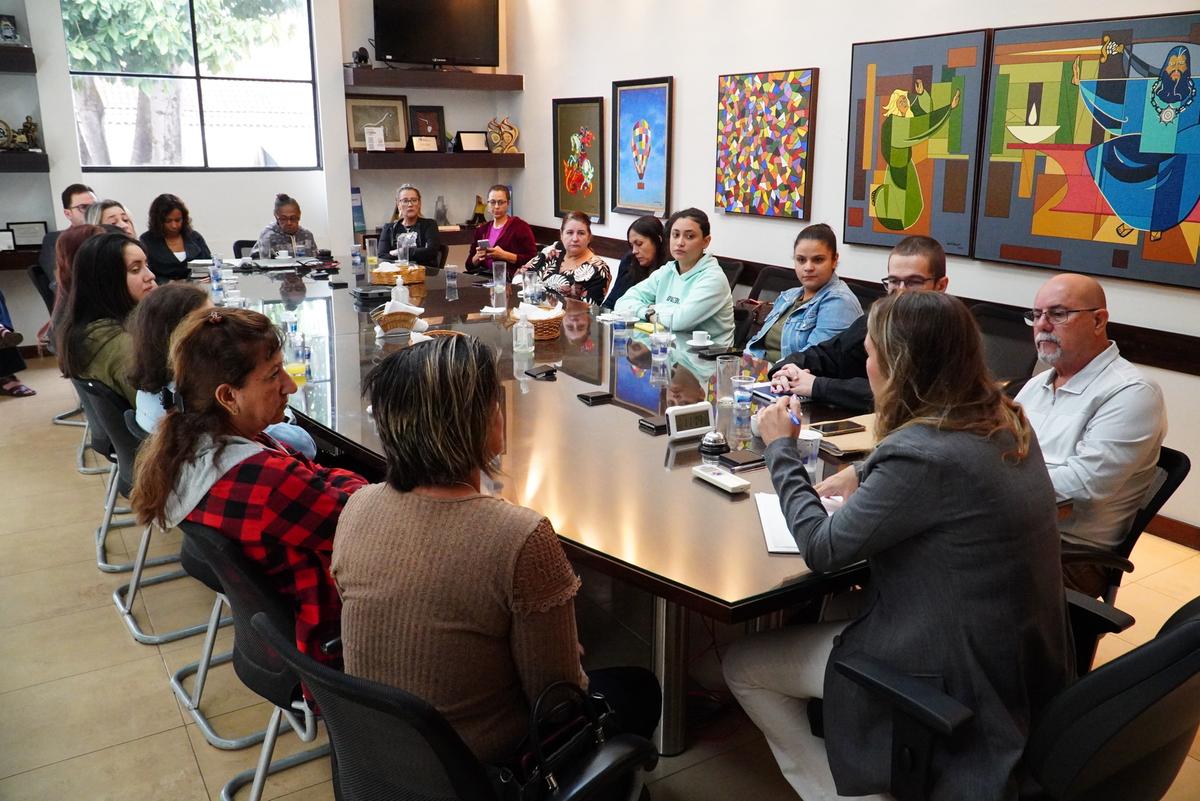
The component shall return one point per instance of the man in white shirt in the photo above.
(1099, 421)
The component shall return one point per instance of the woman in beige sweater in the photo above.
(462, 599)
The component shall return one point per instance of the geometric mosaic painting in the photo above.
(1092, 149)
(765, 125)
(913, 140)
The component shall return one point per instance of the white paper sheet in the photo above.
(774, 526)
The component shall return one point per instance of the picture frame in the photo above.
(1085, 163)
(389, 113)
(471, 142)
(642, 112)
(912, 149)
(766, 127)
(7, 240)
(10, 34)
(578, 151)
(28, 234)
(423, 144)
(428, 121)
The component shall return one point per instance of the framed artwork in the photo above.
(28, 234)
(387, 113)
(912, 147)
(471, 142)
(641, 124)
(428, 121)
(9, 34)
(1090, 155)
(579, 156)
(765, 127)
(7, 242)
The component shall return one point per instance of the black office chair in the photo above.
(1008, 345)
(249, 592)
(443, 255)
(1119, 733)
(732, 268)
(242, 247)
(389, 745)
(866, 292)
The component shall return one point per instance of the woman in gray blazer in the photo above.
(955, 515)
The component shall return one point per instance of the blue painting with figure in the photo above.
(641, 146)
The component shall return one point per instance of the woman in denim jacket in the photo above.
(821, 307)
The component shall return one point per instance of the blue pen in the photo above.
(792, 415)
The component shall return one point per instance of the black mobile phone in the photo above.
(835, 427)
(543, 372)
(718, 350)
(595, 398)
(737, 461)
(654, 426)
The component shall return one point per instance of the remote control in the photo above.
(722, 479)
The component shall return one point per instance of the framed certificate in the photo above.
(424, 144)
(28, 234)
(472, 142)
(6, 240)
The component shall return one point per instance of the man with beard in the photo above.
(1098, 419)
(1150, 171)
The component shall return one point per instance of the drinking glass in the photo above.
(372, 253)
(499, 275)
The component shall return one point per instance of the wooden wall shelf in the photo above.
(399, 160)
(433, 79)
(23, 161)
(18, 59)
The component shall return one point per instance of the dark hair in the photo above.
(150, 327)
(927, 248)
(65, 247)
(650, 227)
(820, 232)
(98, 291)
(163, 205)
(210, 347)
(433, 405)
(500, 188)
(698, 216)
(576, 216)
(930, 356)
(284, 199)
(71, 191)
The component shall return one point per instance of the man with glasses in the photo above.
(76, 200)
(1099, 421)
(408, 220)
(835, 371)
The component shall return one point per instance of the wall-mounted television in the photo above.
(454, 32)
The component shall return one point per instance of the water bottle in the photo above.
(620, 336)
(356, 261)
(741, 409)
(451, 282)
(216, 282)
(523, 333)
(301, 251)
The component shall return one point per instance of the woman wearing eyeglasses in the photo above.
(508, 238)
(285, 233)
(408, 220)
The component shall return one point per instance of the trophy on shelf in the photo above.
(502, 136)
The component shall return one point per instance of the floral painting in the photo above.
(579, 156)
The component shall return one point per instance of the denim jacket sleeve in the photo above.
(828, 316)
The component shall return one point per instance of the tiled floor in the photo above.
(86, 713)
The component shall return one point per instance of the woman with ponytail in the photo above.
(210, 461)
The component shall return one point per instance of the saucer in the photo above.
(691, 343)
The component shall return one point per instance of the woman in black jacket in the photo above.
(169, 240)
(408, 219)
(647, 252)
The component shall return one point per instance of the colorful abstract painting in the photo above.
(1093, 149)
(765, 125)
(579, 156)
(913, 140)
(642, 146)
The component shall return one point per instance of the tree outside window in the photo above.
(192, 84)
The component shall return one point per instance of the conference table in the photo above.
(623, 502)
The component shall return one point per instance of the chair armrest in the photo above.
(1076, 553)
(926, 704)
(1099, 616)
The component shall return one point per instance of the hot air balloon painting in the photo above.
(642, 146)
(579, 156)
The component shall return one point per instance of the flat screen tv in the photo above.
(455, 32)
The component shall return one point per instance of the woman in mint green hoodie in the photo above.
(689, 293)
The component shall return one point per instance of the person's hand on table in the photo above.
(791, 378)
(778, 420)
(842, 483)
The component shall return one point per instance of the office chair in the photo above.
(242, 247)
(1120, 732)
(42, 284)
(768, 285)
(732, 269)
(866, 292)
(1008, 345)
(260, 667)
(390, 745)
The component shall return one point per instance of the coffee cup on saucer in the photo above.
(700, 339)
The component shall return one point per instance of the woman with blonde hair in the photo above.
(954, 514)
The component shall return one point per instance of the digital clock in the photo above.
(689, 422)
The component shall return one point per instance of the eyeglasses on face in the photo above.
(81, 207)
(890, 283)
(500, 202)
(409, 201)
(1057, 316)
(287, 218)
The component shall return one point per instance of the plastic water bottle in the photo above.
(356, 261)
(216, 281)
(620, 336)
(741, 411)
(523, 333)
(451, 282)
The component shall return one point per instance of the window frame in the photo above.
(198, 81)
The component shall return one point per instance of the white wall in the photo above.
(697, 41)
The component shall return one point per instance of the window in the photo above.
(192, 84)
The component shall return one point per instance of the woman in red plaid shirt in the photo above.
(211, 462)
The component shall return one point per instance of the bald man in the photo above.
(1099, 421)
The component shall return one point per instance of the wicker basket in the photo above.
(545, 329)
(414, 274)
(393, 321)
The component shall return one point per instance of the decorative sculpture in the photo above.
(502, 136)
